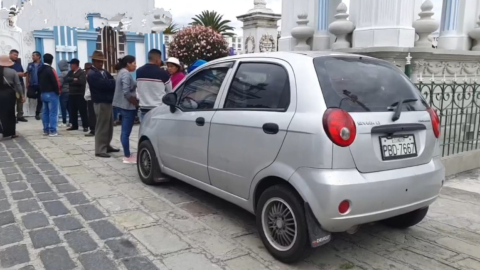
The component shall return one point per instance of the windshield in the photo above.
(358, 84)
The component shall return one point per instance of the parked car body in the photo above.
(312, 143)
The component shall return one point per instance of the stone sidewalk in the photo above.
(61, 208)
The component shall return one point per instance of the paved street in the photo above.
(61, 208)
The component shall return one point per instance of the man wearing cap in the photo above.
(102, 90)
(77, 80)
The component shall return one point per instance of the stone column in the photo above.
(383, 23)
(320, 15)
(321, 38)
(457, 20)
(286, 42)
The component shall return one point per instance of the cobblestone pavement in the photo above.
(61, 208)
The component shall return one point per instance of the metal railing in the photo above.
(458, 106)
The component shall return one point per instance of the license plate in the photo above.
(398, 147)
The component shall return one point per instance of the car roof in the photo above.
(289, 56)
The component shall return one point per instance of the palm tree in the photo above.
(215, 21)
(171, 29)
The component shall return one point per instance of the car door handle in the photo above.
(270, 128)
(200, 121)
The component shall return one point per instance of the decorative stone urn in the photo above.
(475, 34)
(425, 26)
(302, 33)
(341, 27)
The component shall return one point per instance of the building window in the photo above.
(259, 86)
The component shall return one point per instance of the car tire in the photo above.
(406, 220)
(283, 204)
(147, 164)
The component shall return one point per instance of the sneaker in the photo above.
(85, 130)
(45, 134)
(130, 160)
(37, 117)
(69, 125)
(22, 119)
(61, 125)
(53, 134)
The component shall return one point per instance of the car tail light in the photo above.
(340, 127)
(435, 122)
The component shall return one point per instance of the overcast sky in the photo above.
(184, 10)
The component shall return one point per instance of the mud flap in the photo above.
(318, 236)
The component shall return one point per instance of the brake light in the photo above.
(340, 127)
(435, 122)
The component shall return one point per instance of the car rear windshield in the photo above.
(359, 84)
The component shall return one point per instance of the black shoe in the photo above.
(71, 128)
(102, 155)
(85, 129)
(113, 150)
(37, 116)
(22, 119)
(90, 134)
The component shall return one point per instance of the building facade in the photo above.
(235, 43)
(62, 29)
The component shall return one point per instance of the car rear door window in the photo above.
(360, 84)
(200, 91)
(259, 86)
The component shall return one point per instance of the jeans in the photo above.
(142, 114)
(116, 114)
(50, 102)
(128, 119)
(64, 108)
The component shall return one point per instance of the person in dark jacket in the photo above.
(64, 96)
(49, 92)
(17, 66)
(33, 89)
(77, 80)
(102, 90)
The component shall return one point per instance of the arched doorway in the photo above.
(112, 43)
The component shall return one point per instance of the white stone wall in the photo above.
(82, 52)
(140, 54)
(73, 12)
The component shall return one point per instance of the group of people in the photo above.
(91, 92)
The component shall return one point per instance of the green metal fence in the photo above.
(458, 106)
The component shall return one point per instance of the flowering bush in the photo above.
(198, 42)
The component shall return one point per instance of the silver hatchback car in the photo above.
(311, 143)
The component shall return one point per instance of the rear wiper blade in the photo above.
(398, 109)
(352, 98)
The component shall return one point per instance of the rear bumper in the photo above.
(372, 196)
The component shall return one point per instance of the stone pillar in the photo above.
(320, 15)
(457, 20)
(260, 28)
(321, 38)
(383, 23)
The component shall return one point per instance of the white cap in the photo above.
(173, 60)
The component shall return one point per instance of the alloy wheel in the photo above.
(145, 163)
(279, 224)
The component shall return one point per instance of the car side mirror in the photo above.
(170, 99)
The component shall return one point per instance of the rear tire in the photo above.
(281, 224)
(147, 164)
(406, 220)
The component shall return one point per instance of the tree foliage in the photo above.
(171, 29)
(198, 42)
(215, 21)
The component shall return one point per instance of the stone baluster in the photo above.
(475, 35)
(341, 27)
(425, 26)
(302, 33)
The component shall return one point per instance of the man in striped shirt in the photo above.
(153, 82)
